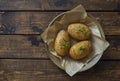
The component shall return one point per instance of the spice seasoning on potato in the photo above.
(79, 31)
(62, 43)
(80, 50)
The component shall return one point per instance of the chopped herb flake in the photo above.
(82, 29)
(64, 45)
(82, 47)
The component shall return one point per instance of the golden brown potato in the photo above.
(79, 31)
(80, 50)
(62, 43)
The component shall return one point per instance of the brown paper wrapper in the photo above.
(76, 15)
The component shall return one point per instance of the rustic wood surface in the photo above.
(31, 46)
(59, 4)
(23, 55)
(37, 22)
(45, 70)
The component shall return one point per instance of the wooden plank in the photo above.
(44, 70)
(58, 4)
(22, 46)
(114, 46)
(25, 22)
(31, 46)
(37, 22)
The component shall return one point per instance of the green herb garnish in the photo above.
(82, 29)
(64, 45)
(82, 47)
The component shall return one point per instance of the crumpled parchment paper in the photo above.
(76, 15)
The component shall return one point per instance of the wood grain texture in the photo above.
(31, 46)
(21, 46)
(23, 55)
(37, 22)
(25, 22)
(45, 70)
(59, 4)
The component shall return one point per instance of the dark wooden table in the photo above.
(23, 56)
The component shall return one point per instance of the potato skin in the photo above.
(77, 53)
(62, 43)
(79, 31)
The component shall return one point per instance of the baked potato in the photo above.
(62, 43)
(80, 50)
(79, 31)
